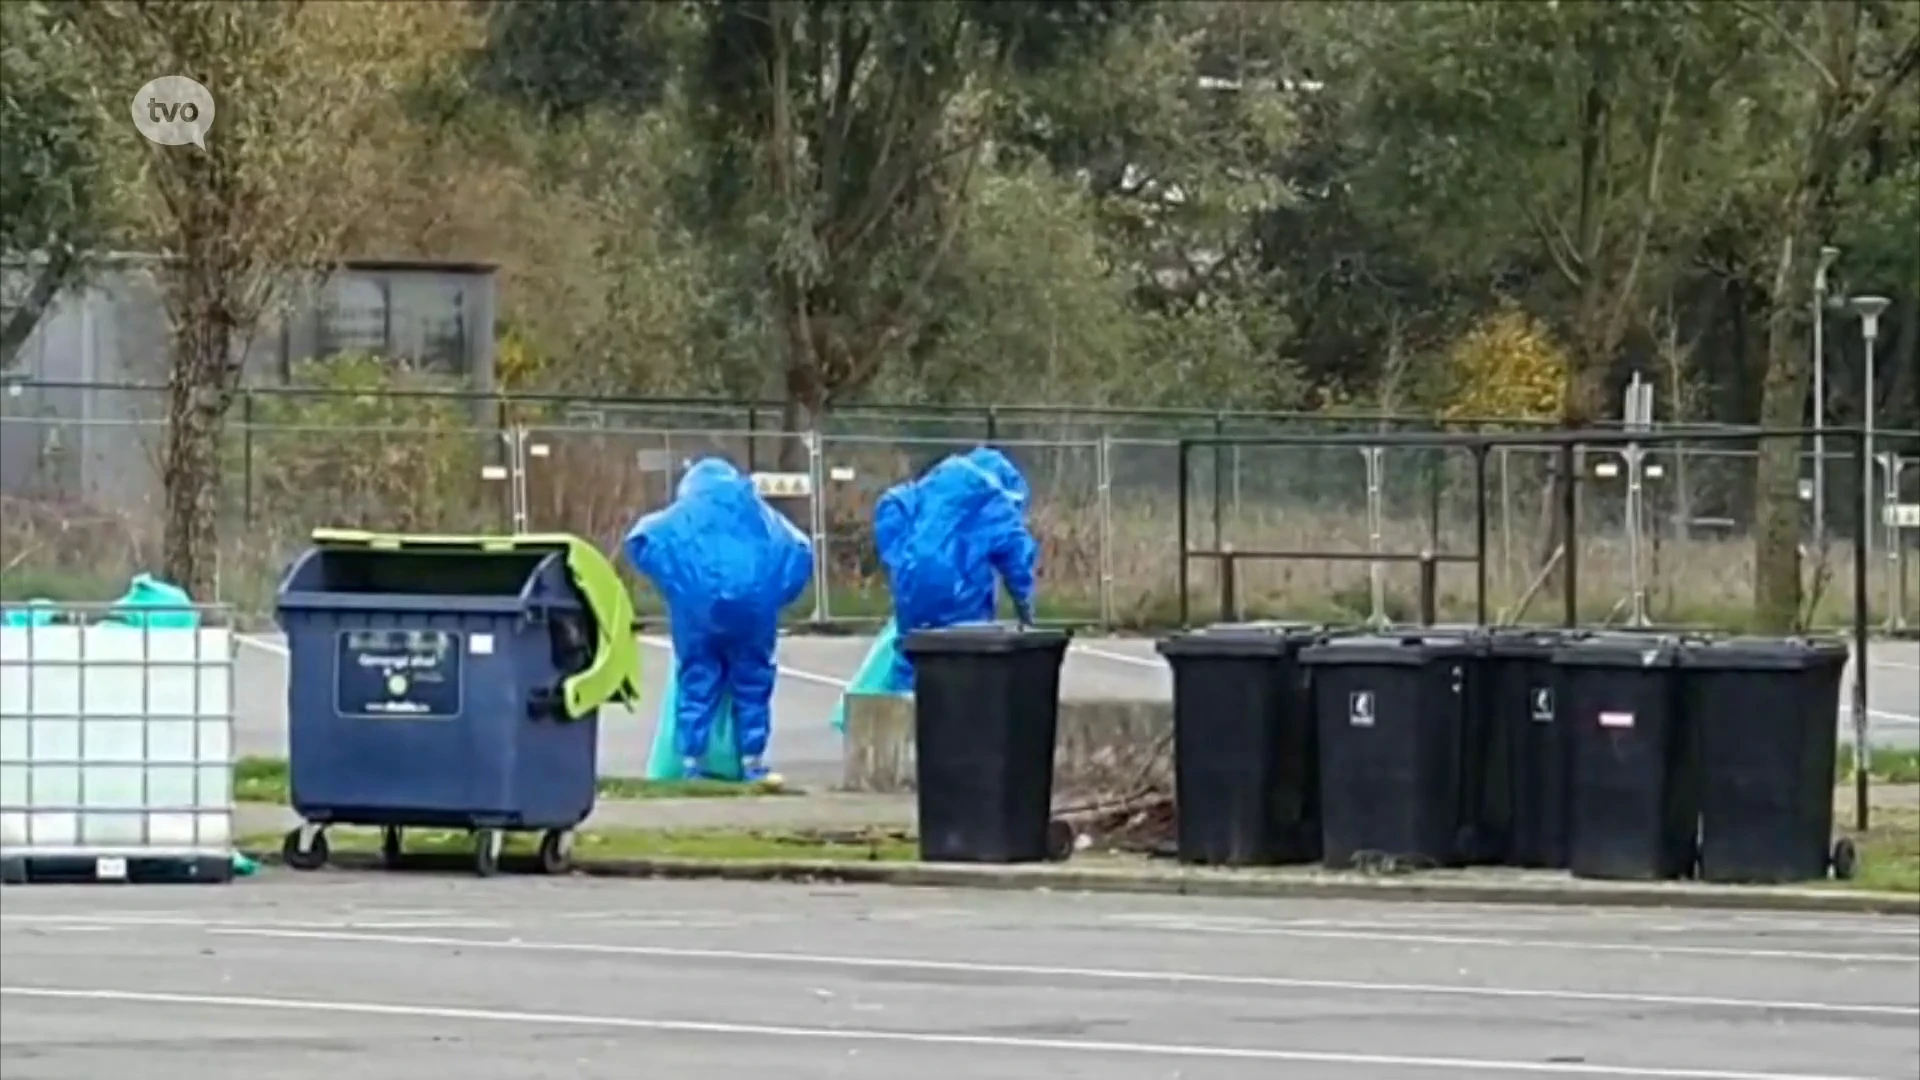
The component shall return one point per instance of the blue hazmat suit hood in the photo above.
(945, 537)
(724, 560)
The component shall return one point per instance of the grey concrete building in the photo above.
(80, 412)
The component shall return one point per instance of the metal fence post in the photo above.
(1506, 517)
(1219, 480)
(1103, 472)
(246, 458)
(1375, 526)
(817, 508)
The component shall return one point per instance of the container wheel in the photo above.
(311, 855)
(1846, 859)
(1060, 840)
(390, 847)
(556, 851)
(486, 851)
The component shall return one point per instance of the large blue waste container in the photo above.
(444, 682)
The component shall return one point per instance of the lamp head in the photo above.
(1870, 308)
(1828, 255)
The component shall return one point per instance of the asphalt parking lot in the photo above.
(814, 671)
(316, 978)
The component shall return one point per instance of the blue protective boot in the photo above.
(754, 771)
(690, 769)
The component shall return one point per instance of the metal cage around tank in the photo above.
(116, 742)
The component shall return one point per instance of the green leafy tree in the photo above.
(841, 140)
(52, 214)
(1849, 61)
(247, 219)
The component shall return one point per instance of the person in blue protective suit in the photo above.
(946, 537)
(726, 563)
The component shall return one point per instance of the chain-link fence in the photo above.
(1666, 532)
(83, 504)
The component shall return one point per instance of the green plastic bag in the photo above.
(37, 612)
(874, 673)
(149, 592)
(722, 760)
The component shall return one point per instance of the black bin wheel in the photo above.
(390, 847)
(1846, 859)
(486, 851)
(556, 851)
(1060, 840)
(312, 856)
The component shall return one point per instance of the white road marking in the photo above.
(1089, 974)
(1520, 922)
(1182, 924)
(1120, 658)
(264, 644)
(790, 672)
(125, 921)
(1882, 715)
(1479, 1066)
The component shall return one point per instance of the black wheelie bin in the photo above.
(1766, 711)
(986, 706)
(1525, 783)
(1246, 757)
(1392, 717)
(1635, 807)
(450, 682)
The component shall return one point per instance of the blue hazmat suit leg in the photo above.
(700, 676)
(946, 537)
(751, 673)
(726, 563)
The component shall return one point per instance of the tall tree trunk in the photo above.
(190, 463)
(1777, 588)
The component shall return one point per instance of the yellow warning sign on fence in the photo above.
(782, 485)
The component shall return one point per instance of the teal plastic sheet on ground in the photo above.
(722, 760)
(875, 673)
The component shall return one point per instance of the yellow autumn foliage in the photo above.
(517, 365)
(1506, 366)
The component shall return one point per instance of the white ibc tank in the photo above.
(116, 740)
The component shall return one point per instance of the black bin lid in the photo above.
(1764, 654)
(1378, 649)
(1619, 650)
(984, 639)
(1524, 642)
(1254, 639)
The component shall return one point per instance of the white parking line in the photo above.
(908, 1038)
(790, 672)
(1532, 943)
(1120, 657)
(1042, 971)
(264, 644)
(132, 921)
(1881, 715)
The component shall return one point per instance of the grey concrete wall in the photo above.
(101, 446)
(1102, 746)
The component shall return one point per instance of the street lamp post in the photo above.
(1827, 257)
(1870, 309)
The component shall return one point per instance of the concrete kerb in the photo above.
(1222, 884)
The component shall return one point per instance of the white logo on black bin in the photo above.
(1360, 708)
(1543, 703)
